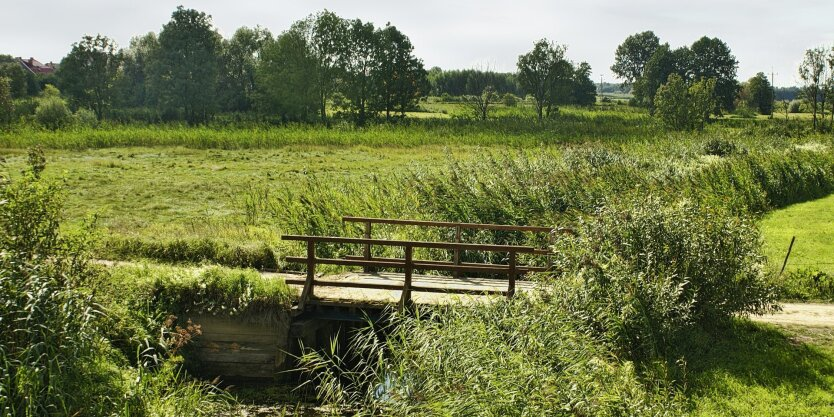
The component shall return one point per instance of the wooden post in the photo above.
(784, 264)
(512, 273)
(307, 293)
(405, 299)
(457, 251)
(367, 246)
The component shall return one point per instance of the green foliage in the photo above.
(286, 76)
(259, 256)
(806, 284)
(712, 59)
(541, 71)
(720, 147)
(633, 55)
(185, 66)
(759, 94)
(85, 117)
(88, 73)
(651, 270)
(240, 57)
(684, 107)
(6, 103)
(527, 357)
(52, 111)
(509, 100)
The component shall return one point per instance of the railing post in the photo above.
(512, 274)
(457, 251)
(367, 246)
(307, 293)
(405, 299)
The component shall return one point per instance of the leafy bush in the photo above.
(53, 113)
(85, 117)
(651, 270)
(806, 284)
(720, 147)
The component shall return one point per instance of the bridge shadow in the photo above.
(757, 355)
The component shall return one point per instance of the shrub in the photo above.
(685, 107)
(719, 147)
(650, 270)
(509, 100)
(806, 284)
(795, 106)
(85, 117)
(53, 113)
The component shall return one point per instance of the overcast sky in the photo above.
(451, 34)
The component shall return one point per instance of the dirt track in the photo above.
(804, 314)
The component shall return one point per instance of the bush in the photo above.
(719, 147)
(806, 284)
(650, 271)
(795, 106)
(53, 113)
(509, 100)
(85, 117)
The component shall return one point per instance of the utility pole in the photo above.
(773, 90)
(600, 87)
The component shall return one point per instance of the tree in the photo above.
(325, 36)
(239, 59)
(712, 58)
(134, 86)
(359, 65)
(632, 56)
(185, 66)
(286, 78)
(759, 94)
(6, 102)
(399, 76)
(483, 96)
(539, 71)
(584, 89)
(11, 69)
(684, 107)
(88, 73)
(811, 71)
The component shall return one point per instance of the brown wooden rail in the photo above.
(459, 227)
(407, 264)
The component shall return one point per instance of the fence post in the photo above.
(367, 246)
(784, 264)
(512, 273)
(405, 299)
(457, 251)
(307, 293)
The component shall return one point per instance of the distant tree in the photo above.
(326, 38)
(186, 65)
(6, 101)
(239, 60)
(539, 72)
(712, 58)
(134, 86)
(758, 94)
(11, 69)
(399, 77)
(632, 56)
(88, 73)
(286, 78)
(480, 103)
(680, 106)
(584, 89)
(812, 73)
(359, 65)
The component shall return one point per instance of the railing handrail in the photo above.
(428, 223)
(413, 243)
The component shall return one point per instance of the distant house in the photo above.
(36, 67)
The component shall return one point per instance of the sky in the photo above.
(765, 35)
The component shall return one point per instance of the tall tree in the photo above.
(287, 79)
(6, 102)
(134, 84)
(359, 64)
(681, 106)
(399, 77)
(11, 69)
(759, 94)
(239, 61)
(633, 55)
(186, 65)
(712, 58)
(812, 73)
(88, 74)
(539, 71)
(584, 89)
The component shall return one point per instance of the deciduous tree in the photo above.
(88, 73)
(239, 60)
(812, 73)
(632, 56)
(287, 81)
(6, 102)
(712, 58)
(539, 72)
(759, 94)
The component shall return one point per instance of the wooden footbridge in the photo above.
(373, 288)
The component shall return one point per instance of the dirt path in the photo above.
(804, 314)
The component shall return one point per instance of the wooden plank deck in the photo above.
(435, 284)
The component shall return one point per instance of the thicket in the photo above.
(55, 358)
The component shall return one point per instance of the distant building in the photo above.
(36, 67)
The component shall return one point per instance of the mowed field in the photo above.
(812, 223)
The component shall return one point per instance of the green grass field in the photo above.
(812, 223)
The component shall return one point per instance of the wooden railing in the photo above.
(408, 264)
(459, 228)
